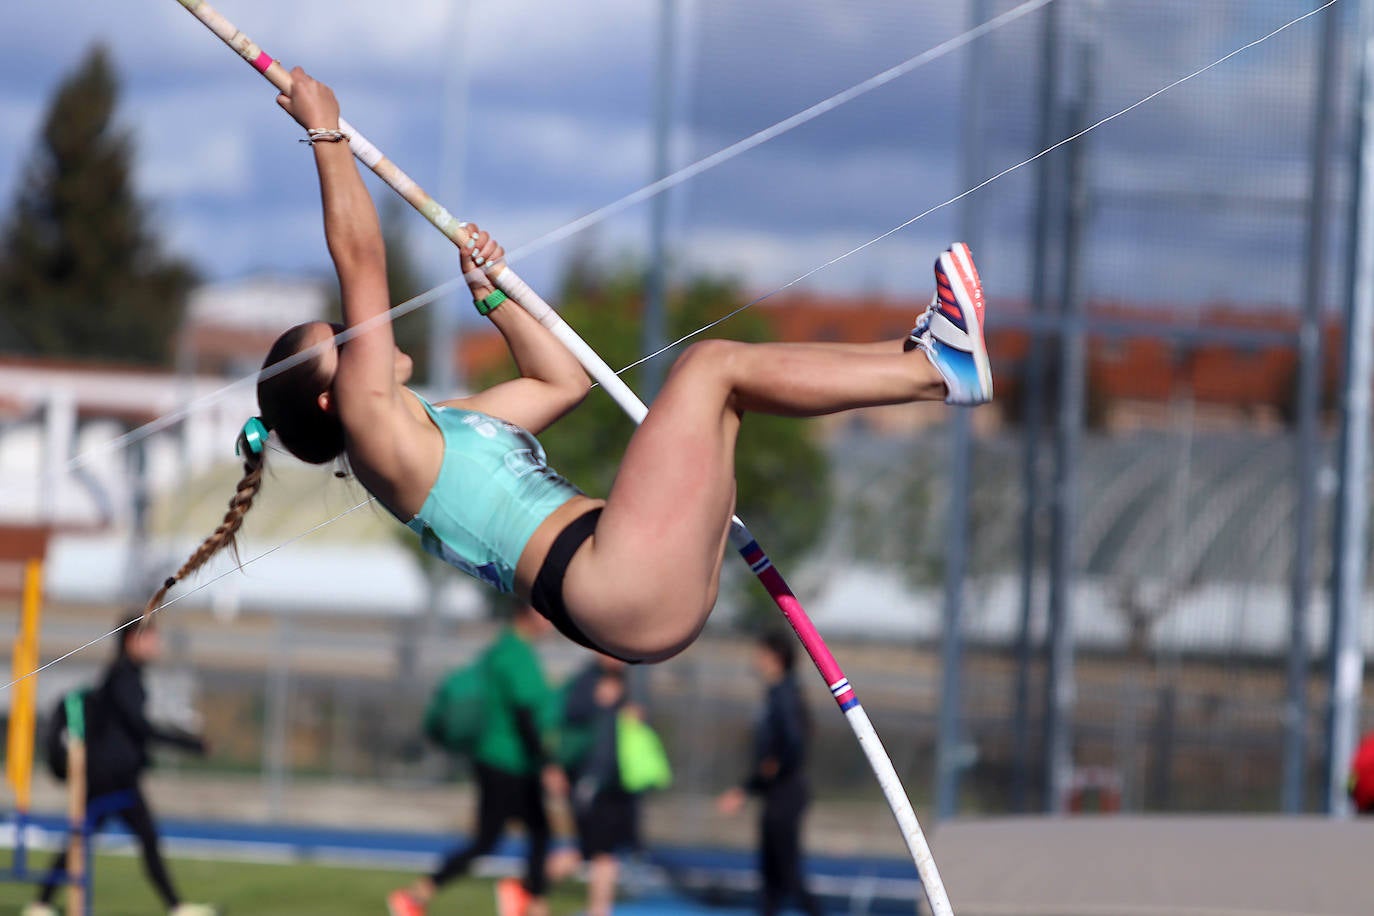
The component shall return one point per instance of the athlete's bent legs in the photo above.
(644, 584)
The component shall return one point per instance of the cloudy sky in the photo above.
(1206, 179)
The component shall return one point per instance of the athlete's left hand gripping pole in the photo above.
(508, 282)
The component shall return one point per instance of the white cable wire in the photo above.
(978, 187)
(181, 413)
(682, 175)
(209, 582)
(777, 130)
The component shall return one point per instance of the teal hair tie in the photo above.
(255, 434)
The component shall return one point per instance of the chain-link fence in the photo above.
(1155, 276)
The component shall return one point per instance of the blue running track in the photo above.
(674, 881)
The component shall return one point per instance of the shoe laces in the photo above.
(921, 331)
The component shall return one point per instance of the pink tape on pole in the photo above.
(262, 62)
(796, 615)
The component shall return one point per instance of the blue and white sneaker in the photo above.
(951, 329)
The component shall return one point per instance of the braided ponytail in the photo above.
(290, 404)
(224, 535)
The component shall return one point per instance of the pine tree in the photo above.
(81, 274)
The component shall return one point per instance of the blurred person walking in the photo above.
(513, 769)
(612, 758)
(777, 774)
(118, 737)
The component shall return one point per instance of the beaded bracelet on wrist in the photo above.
(315, 135)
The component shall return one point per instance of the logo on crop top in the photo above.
(489, 427)
(519, 461)
(485, 427)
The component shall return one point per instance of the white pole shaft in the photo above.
(910, 827)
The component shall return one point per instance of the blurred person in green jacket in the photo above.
(513, 770)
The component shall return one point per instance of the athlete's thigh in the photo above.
(673, 495)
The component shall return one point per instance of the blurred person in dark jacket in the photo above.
(777, 774)
(513, 773)
(605, 813)
(119, 736)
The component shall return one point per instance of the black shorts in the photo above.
(547, 594)
(610, 824)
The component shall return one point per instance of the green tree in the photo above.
(81, 273)
(783, 476)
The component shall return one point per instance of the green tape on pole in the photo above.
(76, 715)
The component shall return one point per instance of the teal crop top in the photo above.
(493, 490)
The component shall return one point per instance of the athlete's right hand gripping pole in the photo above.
(508, 282)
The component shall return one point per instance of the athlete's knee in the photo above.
(663, 628)
(712, 357)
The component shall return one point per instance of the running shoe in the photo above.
(403, 903)
(38, 909)
(951, 329)
(511, 897)
(193, 909)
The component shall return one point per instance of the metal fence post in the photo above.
(1060, 692)
(1346, 659)
(1307, 443)
(1032, 397)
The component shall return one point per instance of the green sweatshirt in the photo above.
(516, 691)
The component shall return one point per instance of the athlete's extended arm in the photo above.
(365, 385)
(551, 382)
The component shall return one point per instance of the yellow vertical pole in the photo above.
(23, 714)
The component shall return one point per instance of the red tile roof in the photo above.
(1122, 367)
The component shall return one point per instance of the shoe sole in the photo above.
(957, 265)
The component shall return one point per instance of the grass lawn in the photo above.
(272, 890)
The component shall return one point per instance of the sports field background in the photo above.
(244, 889)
